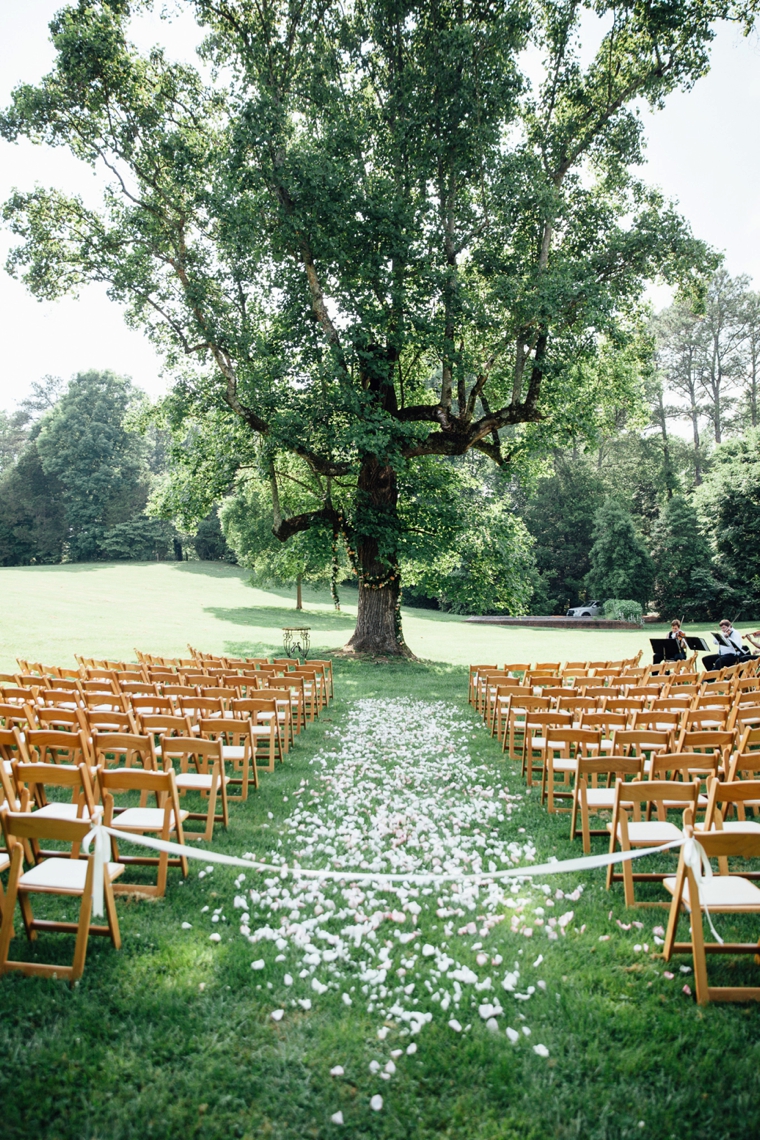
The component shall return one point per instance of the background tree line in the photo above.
(89, 471)
(75, 481)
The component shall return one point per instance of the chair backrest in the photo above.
(196, 707)
(620, 766)
(648, 692)
(743, 764)
(183, 748)
(749, 739)
(101, 685)
(111, 702)
(101, 720)
(624, 704)
(38, 777)
(16, 695)
(126, 747)
(21, 716)
(250, 707)
(574, 704)
(542, 719)
(661, 721)
(605, 722)
(152, 705)
(138, 688)
(703, 765)
(720, 792)
(577, 740)
(229, 729)
(671, 704)
(710, 739)
(641, 741)
(684, 679)
(601, 692)
(63, 720)
(33, 825)
(705, 718)
(116, 780)
(289, 661)
(527, 705)
(176, 691)
(663, 792)
(161, 724)
(63, 747)
(724, 844)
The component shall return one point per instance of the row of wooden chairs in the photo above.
(636, 749)
(105, 738)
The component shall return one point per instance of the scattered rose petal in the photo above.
(259, 964)
(541, 1050)
(337, 1118)
(455, 1025)
(513, 1035)
(277, 1014)
(376, 1103)
(337, 1071)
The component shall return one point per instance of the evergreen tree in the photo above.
(685, 586)
(560, 516)
(620, 563)
(729, 508)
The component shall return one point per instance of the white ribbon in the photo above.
(100, 858)
(695, 857)
(559, 867)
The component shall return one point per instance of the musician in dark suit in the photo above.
(725, 657)
(678, 635)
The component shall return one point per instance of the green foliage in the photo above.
(374, 240)
(685, 586)
(620, 563)
(624, 609)
(209, 541)
(728, 504)
(560, 517)
(32, 512)
(99, 465)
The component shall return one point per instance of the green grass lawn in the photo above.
(49, 613)
(172, 1036)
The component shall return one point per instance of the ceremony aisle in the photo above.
(247, 1004)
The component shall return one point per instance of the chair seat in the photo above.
(59, 811)
(649, 833)
(722, 893)
(600, 797)
(144, 819)
(234, 752)
(66, 876)
(196, 780)
(563, 764)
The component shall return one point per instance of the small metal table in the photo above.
(296, 640)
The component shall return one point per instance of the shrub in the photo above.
(623, 609)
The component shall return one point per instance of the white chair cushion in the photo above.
(233, 752)
(196, 780)
(144, 819)
(59, 811)
(600, 797)
(722, 893)
(651, 831)
(62, 874)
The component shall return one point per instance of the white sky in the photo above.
(702, 151)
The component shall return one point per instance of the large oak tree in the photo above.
(377, 242)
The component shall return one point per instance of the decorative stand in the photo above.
(296, 640)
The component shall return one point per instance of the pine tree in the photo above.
(685, 586)
(620, 563)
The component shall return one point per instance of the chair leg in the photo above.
(83, 930)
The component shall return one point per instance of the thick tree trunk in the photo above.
(378, 622)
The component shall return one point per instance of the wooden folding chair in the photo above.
(313, 690)
(535, 728)
(263, 714)
(296, 719)
(124, 750)
(238, 742)
(498, 698)
(720, 894)
(563, 747)
(219, 693)
(152, 706)
(627, 705)
(71, 878)
(17, 716)
(201, 769)
(57, 720)
(737, 795)
(16, 695)
(515, 721)
(32, 781)
(194, 709)
(327, 669)
(101, 721)
(708, 741)
(636, 833)
(164, 821)
(590, 800)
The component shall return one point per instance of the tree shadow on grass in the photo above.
(273, 617)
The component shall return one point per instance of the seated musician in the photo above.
(727, 655)
(678, 635)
